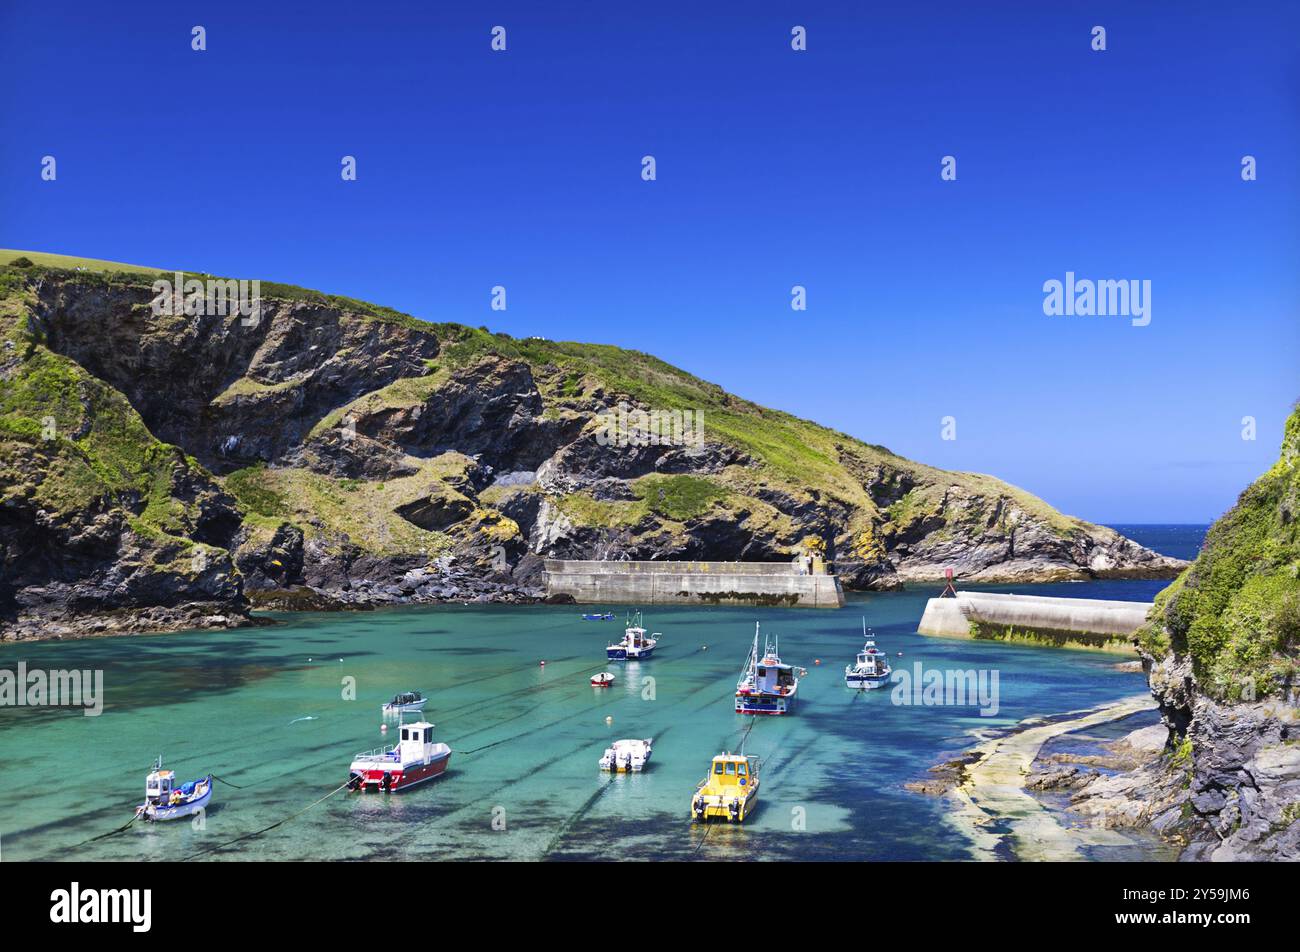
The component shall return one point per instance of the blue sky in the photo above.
(775, 168)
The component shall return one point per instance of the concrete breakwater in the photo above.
(1036, 619)
(714, 583)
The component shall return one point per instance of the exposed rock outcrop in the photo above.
(1222, 651)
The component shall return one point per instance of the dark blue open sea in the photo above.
(264, 708)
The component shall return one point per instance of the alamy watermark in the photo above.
(53, 688)
(211, 297)
(935, 687)
(1084, 297)
(630, 426)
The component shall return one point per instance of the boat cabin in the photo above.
(416, 739)
(732, 770)
(158, 785)
(773, 676)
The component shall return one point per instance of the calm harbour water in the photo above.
(264, 709)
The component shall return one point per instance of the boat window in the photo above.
(405, 734)
(717, 769)
(428, 734)
(762, 672)
(740, 769)
(731, 769)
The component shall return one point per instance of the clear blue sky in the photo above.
(775, 168)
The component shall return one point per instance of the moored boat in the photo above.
(414, 759)
(636, 644)
(871, 670)
(767, 684)
(598, 616)
(602, 680)
(627, 756)
(408, 702)
(729, 792)
(165, 800)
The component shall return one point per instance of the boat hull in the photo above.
(623, 654)
(864, 682)
(709, 808)
(157, 813)
(764, 703)
(371, 779)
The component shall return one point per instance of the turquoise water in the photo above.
(527, 737)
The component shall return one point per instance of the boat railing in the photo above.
(378, 751)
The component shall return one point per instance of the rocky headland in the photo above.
(176, 470)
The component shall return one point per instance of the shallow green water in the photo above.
(527, 737)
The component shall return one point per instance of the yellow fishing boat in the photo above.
(729, 792)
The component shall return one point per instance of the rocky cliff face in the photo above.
(1222, 651)
(169, 470)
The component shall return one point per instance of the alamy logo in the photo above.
(57, 688)
(103, 905)
(211, 297)
(636, 427)
(947, 688)
(1085, 298)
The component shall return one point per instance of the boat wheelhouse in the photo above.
(767, 684)
(414, 759)
(871, 670)
(729, 792)
(636, 644)
(164, 799)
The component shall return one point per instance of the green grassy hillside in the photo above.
(1236, 610)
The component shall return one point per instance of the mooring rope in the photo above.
(104, 836)
(267, 829)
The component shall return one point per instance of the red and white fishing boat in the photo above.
(414, 759)
(602, 680)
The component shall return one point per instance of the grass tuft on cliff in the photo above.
(1236, 610)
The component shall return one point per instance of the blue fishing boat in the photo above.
(767, 684)
(164, 800)
(607, 616)
(636, 644)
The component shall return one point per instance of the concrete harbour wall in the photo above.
(714, 583)
(1040, 619)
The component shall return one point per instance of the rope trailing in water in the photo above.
(104, 836)
(267, 829)
(227, 782)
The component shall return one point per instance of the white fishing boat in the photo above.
(871, 670)
(627, 756)
(636, 644)
(165, 800)
(408, 702)
(767, 684)
(602, 680)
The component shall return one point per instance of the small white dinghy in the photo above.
(602, 680)
(408, 702)
(627, 756)
(164, 800)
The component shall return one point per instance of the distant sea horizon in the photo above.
(1181, 540)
